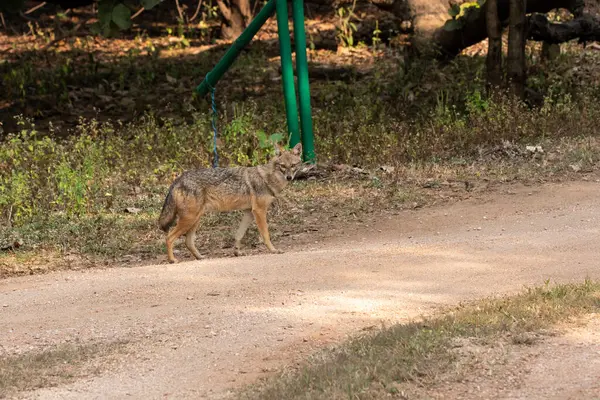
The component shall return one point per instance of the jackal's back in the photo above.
(225, 189)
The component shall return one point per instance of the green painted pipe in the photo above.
(287, 72)
(308, 145)
(211, 79)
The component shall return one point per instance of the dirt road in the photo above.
(198, 329)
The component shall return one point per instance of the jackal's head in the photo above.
(288, 162)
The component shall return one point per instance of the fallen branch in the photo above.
(452, 42)
(137, 13)
(26, 17)
(32, 9)
(585, 28)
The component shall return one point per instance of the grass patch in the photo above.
(52, 367)
(98, 230)
(377, 366)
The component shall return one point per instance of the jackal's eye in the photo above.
(281, 167)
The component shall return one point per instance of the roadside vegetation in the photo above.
(407, 360)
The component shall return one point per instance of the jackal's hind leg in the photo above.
(241, 232)
(190, 238)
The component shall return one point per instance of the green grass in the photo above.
(417, 354)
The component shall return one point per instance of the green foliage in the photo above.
(22, 79)
(461, 14)
(346, 26)
(48, 175)
(79, 176)
(454, 10)
(121, 16)
(267, 142)
(417, 113)
(453, 25)
(476, 103)
(149, 4)
(210, 10)
(112, 16)
(244, 142)
(376, 33)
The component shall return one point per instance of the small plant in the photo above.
(376, 39)
(183, 41)
(210, 11)
(476, 103)
(346, 26)
(268, 142)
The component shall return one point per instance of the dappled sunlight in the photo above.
(357, 306)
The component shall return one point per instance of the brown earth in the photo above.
(200, 329)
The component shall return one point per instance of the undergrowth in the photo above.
(86, 172)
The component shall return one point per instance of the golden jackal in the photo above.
(252, 189)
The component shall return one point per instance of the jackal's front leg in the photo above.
(260, 214)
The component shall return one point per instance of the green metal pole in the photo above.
(211, 79)
(308, 146)
(287, 72)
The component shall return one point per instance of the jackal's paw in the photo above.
(173, 261)
(277, 251)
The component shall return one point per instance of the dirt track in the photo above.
(201, 328)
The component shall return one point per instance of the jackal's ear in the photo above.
(278, 150)
(297, 150)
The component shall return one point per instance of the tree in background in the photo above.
(515, 62)
(494, 56)
(236, 14)
(471, 22)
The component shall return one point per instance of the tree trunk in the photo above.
(515, 64)
(236, 14)
(586, 28)
(494, 56)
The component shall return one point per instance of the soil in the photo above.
(201, 329)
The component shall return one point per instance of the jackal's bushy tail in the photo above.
(167, 215)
